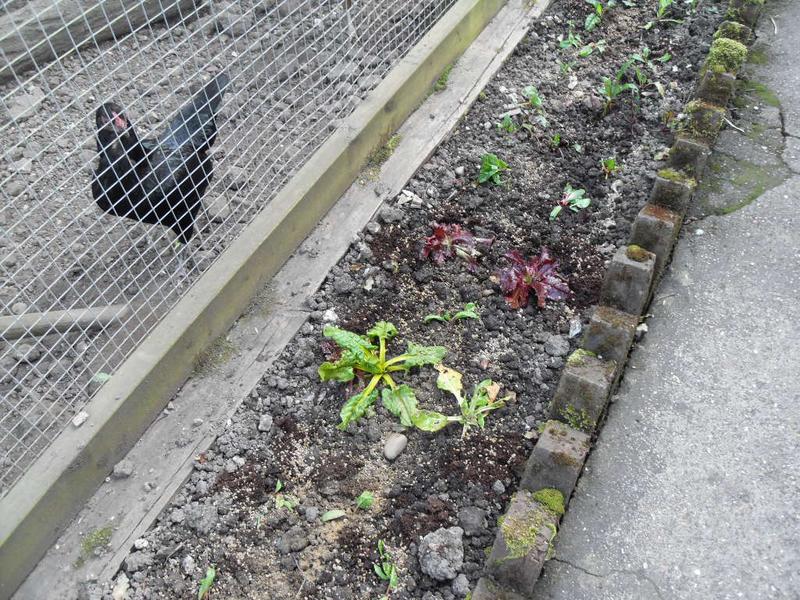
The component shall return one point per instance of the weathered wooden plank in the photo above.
(43, 30)
(61, 321)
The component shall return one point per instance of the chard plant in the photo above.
(491, 167)
(588, 49)
(206, 583)
(570, 40)
(538, 274)
(609, 166)
(365, 500)
(385, 569)
(363, 358)
(661, 12)
(507, 125)
(468, 312)
(573, 199)
(613, 88)
(593, 18)
(537, 103)
(451, 241)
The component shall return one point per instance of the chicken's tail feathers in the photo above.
(195, 123)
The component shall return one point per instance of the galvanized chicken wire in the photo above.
(79, 288)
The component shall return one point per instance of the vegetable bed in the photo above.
(288, 505)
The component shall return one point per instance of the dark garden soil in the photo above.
(226, 515)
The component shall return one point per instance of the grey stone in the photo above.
(498, 487)
(390, 214)
(136, 561)
(395, 444)
(293, 540)
(122, 470)
(472, 520)
(312, 513)
(188, 565)
(177, 516)
(14, 188)
(460, 586)
(25, 105)
(441, 553)
(202, 518)
(265, 423)
(557, 345)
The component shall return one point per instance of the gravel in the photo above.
(441, 553)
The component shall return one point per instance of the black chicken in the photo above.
(159, 180)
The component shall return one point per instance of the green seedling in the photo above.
(286, 501)
(573, 199)
(555, 141)
(571, 40)
(566, 67)
(468, 312)
(599, 45)
(613, 88)
(332, 515)
(491, 167)
(204, 591)
(507, 125)
(609, 166)
(385, 569)
(661, 12)
(536, 102)
(365, 500)
(578, 147)
(593, 19)
(361, 357)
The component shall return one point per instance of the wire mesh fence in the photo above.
(85, 271)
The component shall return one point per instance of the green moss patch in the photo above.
(637, 253)
(441, 83)
(578, 358)
(94, 541)
(578, 418)
(725, 56)
(552, 499)
(520, 532)
(677, 176)
(213, 357)
(733, 31)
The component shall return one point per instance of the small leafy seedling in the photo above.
(365, 500)
(613, 88)
(538, 273)
(537, 103)
(206, 583)
(361, 356)
(507, 125)
(491, 167)
(588, 49)
(332, 515)
(450, 241)
(571, 40)
(566, 67)
(555, 141)
(593, 19)
(385, 569)
(282, 500)
(473, 411)
(573, 199)
(609, 166)
(469, 312)
(661, 12)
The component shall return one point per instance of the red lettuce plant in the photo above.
(451, 240)
(538, 273)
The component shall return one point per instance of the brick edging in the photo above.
(527, 529)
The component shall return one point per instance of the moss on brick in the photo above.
(677, 177)
(520, 532)
(578, 419)
(578, 358)
(637, 253)
(704, 120)
(725, 56)
(550, 498)
(733, 31)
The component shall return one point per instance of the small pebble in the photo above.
(80, 418)
(395, 444)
